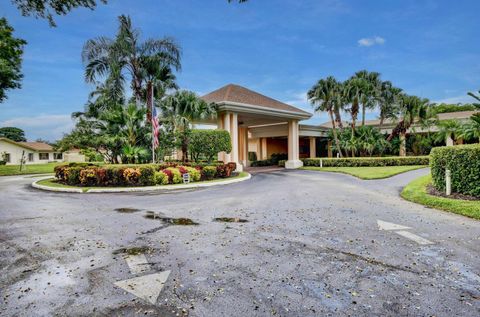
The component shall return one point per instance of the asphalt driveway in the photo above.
(312, 246)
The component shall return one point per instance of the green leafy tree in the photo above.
(13, 133)
(410, 110)
(46, 8)
(181, 109)
(326, 96)
(443, 107)
(11, 51)
(370, 90)
(471, 129)
(448, 129)
(355, 90)
(126, 57)
(476, 97)
(208, 143)
(388, 98)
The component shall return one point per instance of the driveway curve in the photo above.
(311, 246)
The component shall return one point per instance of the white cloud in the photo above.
(370, 41)
(464, 98)
(49, 127)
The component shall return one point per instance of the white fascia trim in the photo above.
(241, 107)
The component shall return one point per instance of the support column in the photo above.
(226, 126)
(293, 146)
(245, 147)
(403, 145)
(264, 149)
(329, 149)
(449, 140)
(234, 138)
(313, 147)
(221, 155)
(258, 142)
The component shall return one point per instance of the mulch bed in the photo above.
(432, 191)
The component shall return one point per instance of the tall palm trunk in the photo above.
(149, 102)
(338, 118)
(334, 132)
(363, 114)
(382, 118)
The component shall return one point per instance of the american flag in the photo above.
(155, 127)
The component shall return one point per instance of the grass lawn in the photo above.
(52, 182)
(416, 192)
(367, 172)
(6, 170)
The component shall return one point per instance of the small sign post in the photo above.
(186, 178)
(321, 163)
(448, 182)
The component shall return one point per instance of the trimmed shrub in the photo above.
(274, 159)
(160, 178)
(72, 175)
(176, 176)
(146, 177)
(281, 163)
(137, 175)
(208, 143)
(131, 175)
(195, 174)
(88, 176)
(464, 163)
(102, 177)
(209, 172)
(367, 161)
(252, 156)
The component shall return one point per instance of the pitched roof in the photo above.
(441, 116)
(38, 146)
(35, 146)
(238, 94)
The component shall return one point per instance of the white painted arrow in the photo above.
(414, 237)
(383, 225)
(147, 287)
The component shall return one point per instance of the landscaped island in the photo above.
(91, 175)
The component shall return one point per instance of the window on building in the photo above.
(43, 156)
(57, 156)
(30, 157)
(6, 157)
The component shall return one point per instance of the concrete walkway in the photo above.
(315, 244)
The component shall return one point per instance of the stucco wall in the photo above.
(277, 146)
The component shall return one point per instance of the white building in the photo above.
(34, 153)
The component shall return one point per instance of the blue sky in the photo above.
(277, 47)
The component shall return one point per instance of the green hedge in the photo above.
(464, 164)
(367, 161)
(274, 159)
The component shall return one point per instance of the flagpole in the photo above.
(153, 133)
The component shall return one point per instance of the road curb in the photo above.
(139, 189)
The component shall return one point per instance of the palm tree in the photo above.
(471, 130)
(411, 109)
(324, 96)
(126, 56)
(448, 130)
(353, 93)
(371, 90)
(388, 101)
(181, 109)
(477, 97)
